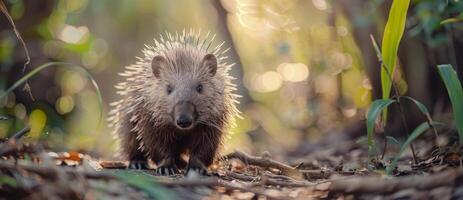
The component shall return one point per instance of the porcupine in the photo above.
(178, 99)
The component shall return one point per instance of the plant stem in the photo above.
(404, 122)
(385, 147)
(397, 95)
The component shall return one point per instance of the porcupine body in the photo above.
(178, 99)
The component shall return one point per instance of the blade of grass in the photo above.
(392, 35)
(453, 85)
(36, 70)
(393, 140)
(458, 18)
(425, 112)
(375, 109)
(145, 183)
(415, 134)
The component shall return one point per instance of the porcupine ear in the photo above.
(157, 64)
(210, 62)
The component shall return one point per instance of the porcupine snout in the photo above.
(184, 115)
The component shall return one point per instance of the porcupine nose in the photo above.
(184, 121)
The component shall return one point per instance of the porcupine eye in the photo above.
(199, 88)
(169, 89)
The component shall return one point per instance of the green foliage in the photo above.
(393, 140)
(458, 18)
(432, 19)
(145, 183)
(375, 109)
(6, 180)
(455, 91)
(418, 104)
(393, 32)
(417, 132)
(36, 70)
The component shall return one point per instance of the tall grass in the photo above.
(453, 85)
(36, 70)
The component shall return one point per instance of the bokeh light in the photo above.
(293, 72)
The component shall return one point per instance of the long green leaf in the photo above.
(36, 70)
(145, 183)
(418, 104)
(375, 109)
(425, 112)
(393, 33)
(455, 91)
(458, 18)
(415, 134)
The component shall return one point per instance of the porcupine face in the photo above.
(187, 86)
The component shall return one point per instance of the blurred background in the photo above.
(306, 68)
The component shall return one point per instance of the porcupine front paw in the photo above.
(196, 166)
(138, 164)
(165, 170)
(197, 170)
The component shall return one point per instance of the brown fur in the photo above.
(143, 119)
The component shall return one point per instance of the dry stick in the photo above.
(397, 95)
(21, 133)
(266, 163)
(4, 10)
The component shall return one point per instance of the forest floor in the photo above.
(316, 171)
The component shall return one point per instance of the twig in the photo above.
(266, 163)
(13, 142)
(21, 133)
(4, 10)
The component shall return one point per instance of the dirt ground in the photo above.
(316, 171)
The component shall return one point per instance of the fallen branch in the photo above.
(266, 162)
(380, 185)
(52, 172)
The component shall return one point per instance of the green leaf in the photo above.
(393, 140)
(415, 134)
(453, 85)
(36, 70)
(6, 180)
(420, 106)
(393, 33)
(145, 183)
(458, 18)
(375, 109)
